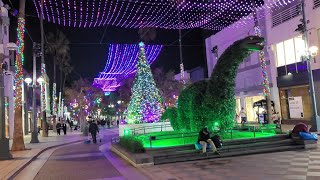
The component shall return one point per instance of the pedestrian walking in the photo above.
(58, 127)
(93, 129)
(243, 116)
(64, 128)
(39, 128)
(71, 124)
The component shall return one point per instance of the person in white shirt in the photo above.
(243, 116)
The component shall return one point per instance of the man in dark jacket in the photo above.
(204, 139)
(64, 128)
(93, 129)
(58, 127)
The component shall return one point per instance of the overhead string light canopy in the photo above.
(121, 63)
(207, 14)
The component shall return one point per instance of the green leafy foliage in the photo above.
(208, 103)
(171, 114)
(190, 115)
(132, 144)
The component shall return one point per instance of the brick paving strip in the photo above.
(11, 168)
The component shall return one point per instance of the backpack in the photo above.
(217, 141)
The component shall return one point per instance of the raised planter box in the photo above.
(308, 144)
(136, 160)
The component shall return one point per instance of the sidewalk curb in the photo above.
(37, 155)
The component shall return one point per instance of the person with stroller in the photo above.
(93, 129)
(204, 139)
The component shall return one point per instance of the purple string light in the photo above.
(121, 63)
(214, 14)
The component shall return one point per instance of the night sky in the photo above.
(88, 55)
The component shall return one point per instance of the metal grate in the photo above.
(286, 15)
(316, 4)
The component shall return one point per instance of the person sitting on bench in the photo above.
(204, 138)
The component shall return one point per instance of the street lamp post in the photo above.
(315, 118)
(34, 134)
(4, 141)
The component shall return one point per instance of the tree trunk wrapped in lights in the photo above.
(18, 142)
(145, 104)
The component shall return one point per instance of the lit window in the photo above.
(299, 47)
(280, 55)
(289, 51)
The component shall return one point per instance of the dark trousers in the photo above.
(58, 131)
(94, 137)
(65, 131)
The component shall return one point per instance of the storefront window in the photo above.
(252, 111)
(295, 103)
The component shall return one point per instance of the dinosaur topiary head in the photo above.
(252, 43)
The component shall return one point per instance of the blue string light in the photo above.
(121, 63)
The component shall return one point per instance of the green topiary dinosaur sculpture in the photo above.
(212, 102)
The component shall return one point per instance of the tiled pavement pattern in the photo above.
(79, 161)
(291, 165)
(9, 167)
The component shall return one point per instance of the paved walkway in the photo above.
(9, 167)
(291, 165)
(82, 161)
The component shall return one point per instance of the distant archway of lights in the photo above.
(121, 63)
(208, 14)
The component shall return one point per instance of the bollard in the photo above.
(254, 131)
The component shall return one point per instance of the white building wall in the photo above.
(177, 77)
(287, 29)
(8, 77)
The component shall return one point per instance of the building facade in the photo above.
(287, 71)
(287, 47)
(193, 75)
(8, 73)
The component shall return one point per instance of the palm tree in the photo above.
(66, 69)
(18, 141)
(58, 48)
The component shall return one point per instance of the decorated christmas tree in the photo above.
(145, 104)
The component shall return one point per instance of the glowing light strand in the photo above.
(121, 63)
(54, 98)
(145, 104)
(214, 15)
(263, 64)
(43, 87)
(19, 62)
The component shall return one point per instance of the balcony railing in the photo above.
(286, 15)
